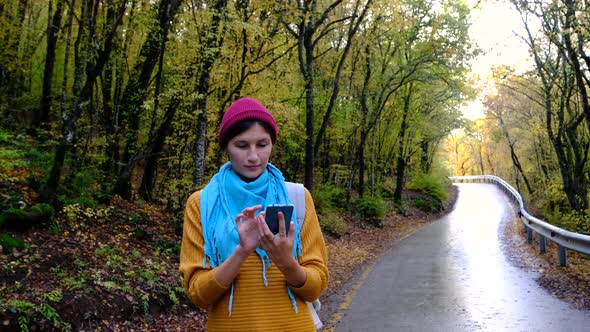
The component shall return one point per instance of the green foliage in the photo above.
(371, 210)
(19, 152)
(53, 296)
(76, 213)
(167, 247)
(41, 314)
(328, 196)
(332, 223)
(434, 186)
(37, 158)
(8, 242)
(21, 219)
(72, 283)
(10, 199)
(329, 201)
(554, 198)
(44, 211)
(124, 269)
(573, 221)
(5, 137)
(68, 281)
(175, 191)
(105, 250)
(82, 189)
(20, 163)
(386, 188)
(428, 205)
(11, 159)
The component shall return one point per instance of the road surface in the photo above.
(454, 276)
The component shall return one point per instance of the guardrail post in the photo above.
(562, 255)
(529, 234)
(542, 245)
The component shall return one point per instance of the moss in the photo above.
(8, 242)
(39, 215)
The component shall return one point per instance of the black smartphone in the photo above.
(272, 217)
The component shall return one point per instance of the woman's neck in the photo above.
(247, 180)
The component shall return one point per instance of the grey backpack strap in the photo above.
(297, 196)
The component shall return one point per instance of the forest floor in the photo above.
(115, 269)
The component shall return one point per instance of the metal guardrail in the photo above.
(563, 238)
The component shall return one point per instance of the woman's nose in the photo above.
(252, 154)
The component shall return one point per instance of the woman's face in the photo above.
(249, 152)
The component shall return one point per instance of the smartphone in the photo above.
(272, 217)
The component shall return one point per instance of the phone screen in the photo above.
(272, 218)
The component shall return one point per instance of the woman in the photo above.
(248, 278)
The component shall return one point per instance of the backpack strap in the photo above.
(297, 196)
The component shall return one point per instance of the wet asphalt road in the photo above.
(454, 276)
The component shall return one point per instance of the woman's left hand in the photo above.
(278, 247)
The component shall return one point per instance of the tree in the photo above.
(310, 22)
(87, 69)
(563, 116)
(496, 109)
(211, 47)
(136, 90)
(53, 27)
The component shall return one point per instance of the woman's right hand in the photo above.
(247, 225)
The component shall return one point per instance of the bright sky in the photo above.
(494, 24)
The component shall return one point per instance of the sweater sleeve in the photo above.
(200, 284)
(314, 257)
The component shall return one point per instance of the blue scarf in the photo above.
(226, 196)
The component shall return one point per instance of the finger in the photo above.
(263, 228)
(251, 210)
(260, 221)
(281, 218)
(239, 218)
(291, 231)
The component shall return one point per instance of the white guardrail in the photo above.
(564, 239)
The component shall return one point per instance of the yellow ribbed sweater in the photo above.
(255, 306)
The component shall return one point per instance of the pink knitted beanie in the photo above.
(246, 109)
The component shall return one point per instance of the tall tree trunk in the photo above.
(364, 129)
(114, 142)
(401, 158)
(52, 32)
(50, 189)
(153, 155)
(425, 162)
(212, 48)
(515, 161)
(306, 66)
(148, 180)
(108, 119)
